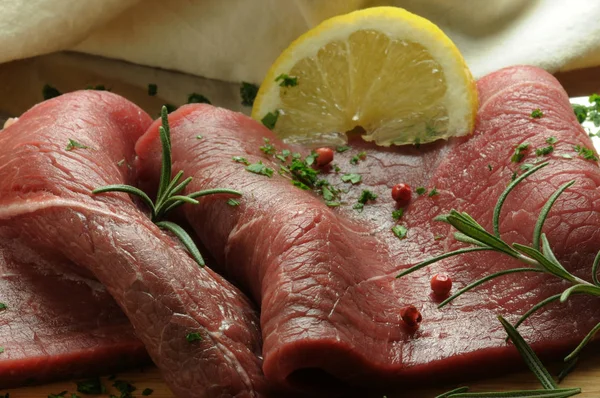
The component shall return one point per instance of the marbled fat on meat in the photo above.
(325, 277)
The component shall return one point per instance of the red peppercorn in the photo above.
(411, 316)
(401, 192)
(325, 156)
(441, 284)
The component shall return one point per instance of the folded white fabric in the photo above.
(237, 40)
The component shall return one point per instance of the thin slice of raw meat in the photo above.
(47, 203)
(325, 277)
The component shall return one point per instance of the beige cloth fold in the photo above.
(237, 40)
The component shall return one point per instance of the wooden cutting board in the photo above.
(20, 88)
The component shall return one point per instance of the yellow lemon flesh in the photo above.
(391, 72)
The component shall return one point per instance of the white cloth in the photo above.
(237, 40)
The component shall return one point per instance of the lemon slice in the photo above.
(393, 73)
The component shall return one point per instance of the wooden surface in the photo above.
(20, 88)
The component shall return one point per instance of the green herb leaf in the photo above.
(248, 93)
(544, 151)
(504, 194)
(481, 281)
(562, 393)
(74, 145)
(581, 112)
(439, 258)
(1, 350)
(270, 119)
(544, 213)
(356, 158)
(586, 153)
(310, 159)
(520, 152)
(49, 92)
(352, 178)
(268, 148)
(147, 391)
(365, 196)
(583, 343)
(580, 288)
(260, 168)
(537, 113)
(398, 213)
(551, 140)
(184, 238)
(532, 361)
(125, 388)
(400, 231)
(420, 190)
(3, 306)
(287, 81)
(342, 148)
(152, 89)
(433, 192)
(595, 267)
(195, 98)
(240, 159)
(91, 386)
(233, 202)
(194, 336)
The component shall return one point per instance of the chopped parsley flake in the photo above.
(551, 140)
(581, 112)
(91, 386)
(433, 192)
(336, 168)
(544, 151)
(365, 196)
(356, 158)
(74, 145)
(287, 81)
(3, 306)
(1, 350)
(489, 167)
(240, 159)
(342, 149)
(301, 185)
(124, 388)
(333, 204)
(50, 92)
(352, 178)
(302, 172)
(586, 153)
(233, 202)
(514, 176)
(199, 137)
(268, 148)
(397, 214)
(147, 391)
(195, 98)
(537, 113)
(310, 159)
(400, 231)
(270, 119)
(438, 237)
(420, 190)
(519, 152)
(248, 93)
(152, 89)
(194, 336)
(260, 168)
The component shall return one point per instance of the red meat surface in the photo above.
(47, 207)
(325, 278)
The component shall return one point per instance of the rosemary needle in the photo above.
(168, 197)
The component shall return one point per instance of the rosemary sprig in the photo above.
(550, 388)
(168, 197)
(539, 256)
